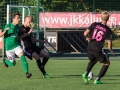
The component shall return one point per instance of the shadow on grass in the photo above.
(66, 76)
(80, 76)
(113, 75)
(71, 75)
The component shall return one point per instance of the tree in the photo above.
(2, 17)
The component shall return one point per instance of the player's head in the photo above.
(28, 20)
(105, 16)
(15, 18)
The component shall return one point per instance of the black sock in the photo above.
(90, 65)
(40, 66)
(45, 60)
(102, 71)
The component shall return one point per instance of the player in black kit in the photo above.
(98, 32)
(31, 49)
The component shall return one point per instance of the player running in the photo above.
(99, 32)
(12, 44)
(31, 49)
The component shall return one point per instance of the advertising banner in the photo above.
(74, 20)
(51, 38)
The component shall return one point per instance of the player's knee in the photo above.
(47, 55)
(107, 63)
(35, 56)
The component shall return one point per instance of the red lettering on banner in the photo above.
(74, 20)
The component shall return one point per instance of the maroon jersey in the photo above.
(98, 33)
(26, 40)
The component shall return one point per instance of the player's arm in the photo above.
(2, 32)
(86, 34)
(35, 40)
(109, 40)
(110, 46)
(23, 35)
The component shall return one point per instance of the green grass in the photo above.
(65, 75)
(116, 43)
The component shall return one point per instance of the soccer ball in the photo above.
(90, 75)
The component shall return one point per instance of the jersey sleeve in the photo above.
(91, 27)
(22, 31)
(6, 26)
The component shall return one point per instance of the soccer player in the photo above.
(98, 32)
(31, 49)
(12, 44)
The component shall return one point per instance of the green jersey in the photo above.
(11, 39)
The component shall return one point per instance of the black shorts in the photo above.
(31, 49)
(101, 56)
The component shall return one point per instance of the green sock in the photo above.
(9, 63)
(24, 63)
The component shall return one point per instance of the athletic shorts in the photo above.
(31, 49)
(11, 53)
(101, 56)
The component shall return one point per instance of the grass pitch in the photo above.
(65, 75)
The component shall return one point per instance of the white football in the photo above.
(90, 75)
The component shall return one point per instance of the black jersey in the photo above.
(26, 40)
(98, 33)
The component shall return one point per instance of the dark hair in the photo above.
(14, 14)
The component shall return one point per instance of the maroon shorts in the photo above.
(31, 49)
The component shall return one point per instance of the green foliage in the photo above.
(27, 2)
(65, 5)
(2, 2)
(116, 43)
(58, 6)
(2, 19)
(115, 38)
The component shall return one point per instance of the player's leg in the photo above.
(104, 58)
(19, 52)
(11, 58)
(92, 62)
(39, 64)
(45, 56)
(34, 51)
(90, 65)
(30, 51)
(102, 72)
